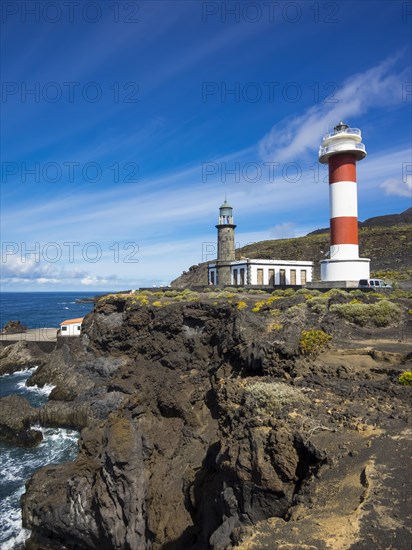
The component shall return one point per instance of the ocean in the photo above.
(35, 310)
(43, 309)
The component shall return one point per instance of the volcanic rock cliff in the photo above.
(203, 425)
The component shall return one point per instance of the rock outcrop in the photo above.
(21, 355)
(13, 327)
(200, 421)
(16, 417)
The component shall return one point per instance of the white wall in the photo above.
(341, 270)
(266, 266)
(71, 330)
(298, 269)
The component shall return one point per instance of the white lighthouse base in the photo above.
(345, 270)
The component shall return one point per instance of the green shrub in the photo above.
(303, 291)
(317, 307)
(334, 292)
(171, 293)
(187, 292)
(265, 304)
(357, 293)
(317, 304)
(289, 292)
(398, 293)
(255, 291)
(270, 397)
(312, 342)
(189, 295)
(278, 292)
(258, 306)
(381, 314)
(405, 379)
(272, 299)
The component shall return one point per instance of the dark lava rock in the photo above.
(16, 416)
(20, 355)
(13, 327)
(177, 451)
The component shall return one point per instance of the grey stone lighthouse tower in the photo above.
(225, 244)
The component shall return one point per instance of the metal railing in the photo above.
(353, 131)
(333, 148)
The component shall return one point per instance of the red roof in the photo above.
(72, 321)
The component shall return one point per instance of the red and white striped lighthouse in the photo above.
(341, 149)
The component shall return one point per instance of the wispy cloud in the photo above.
(398, 187)
(291, 138)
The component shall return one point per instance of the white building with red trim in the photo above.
(71, 327)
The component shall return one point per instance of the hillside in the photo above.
(386, 240)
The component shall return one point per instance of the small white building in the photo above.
(71, 327)
(271, 273)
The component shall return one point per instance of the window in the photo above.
(303, 277)
(64, 329)
(235, 276)
(79, 327)
(282, 276)
(271, 277)
(260, 276)
(212, 277)
(293, 276)
(242, 276)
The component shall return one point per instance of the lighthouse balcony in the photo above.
(353, 133)
(341, 146)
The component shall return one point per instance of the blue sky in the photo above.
(124, 124)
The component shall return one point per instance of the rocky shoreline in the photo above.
(205, 424)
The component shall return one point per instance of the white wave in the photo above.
(58, 445)
(45, 390)
(13, 533)
(10, 474)
(21, 373)
(24, 372)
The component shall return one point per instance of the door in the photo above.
(293, 276)
(303, 277)
(271, 277)
(260, 277)
(282, 276)
(242, 277)
(235, 276)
